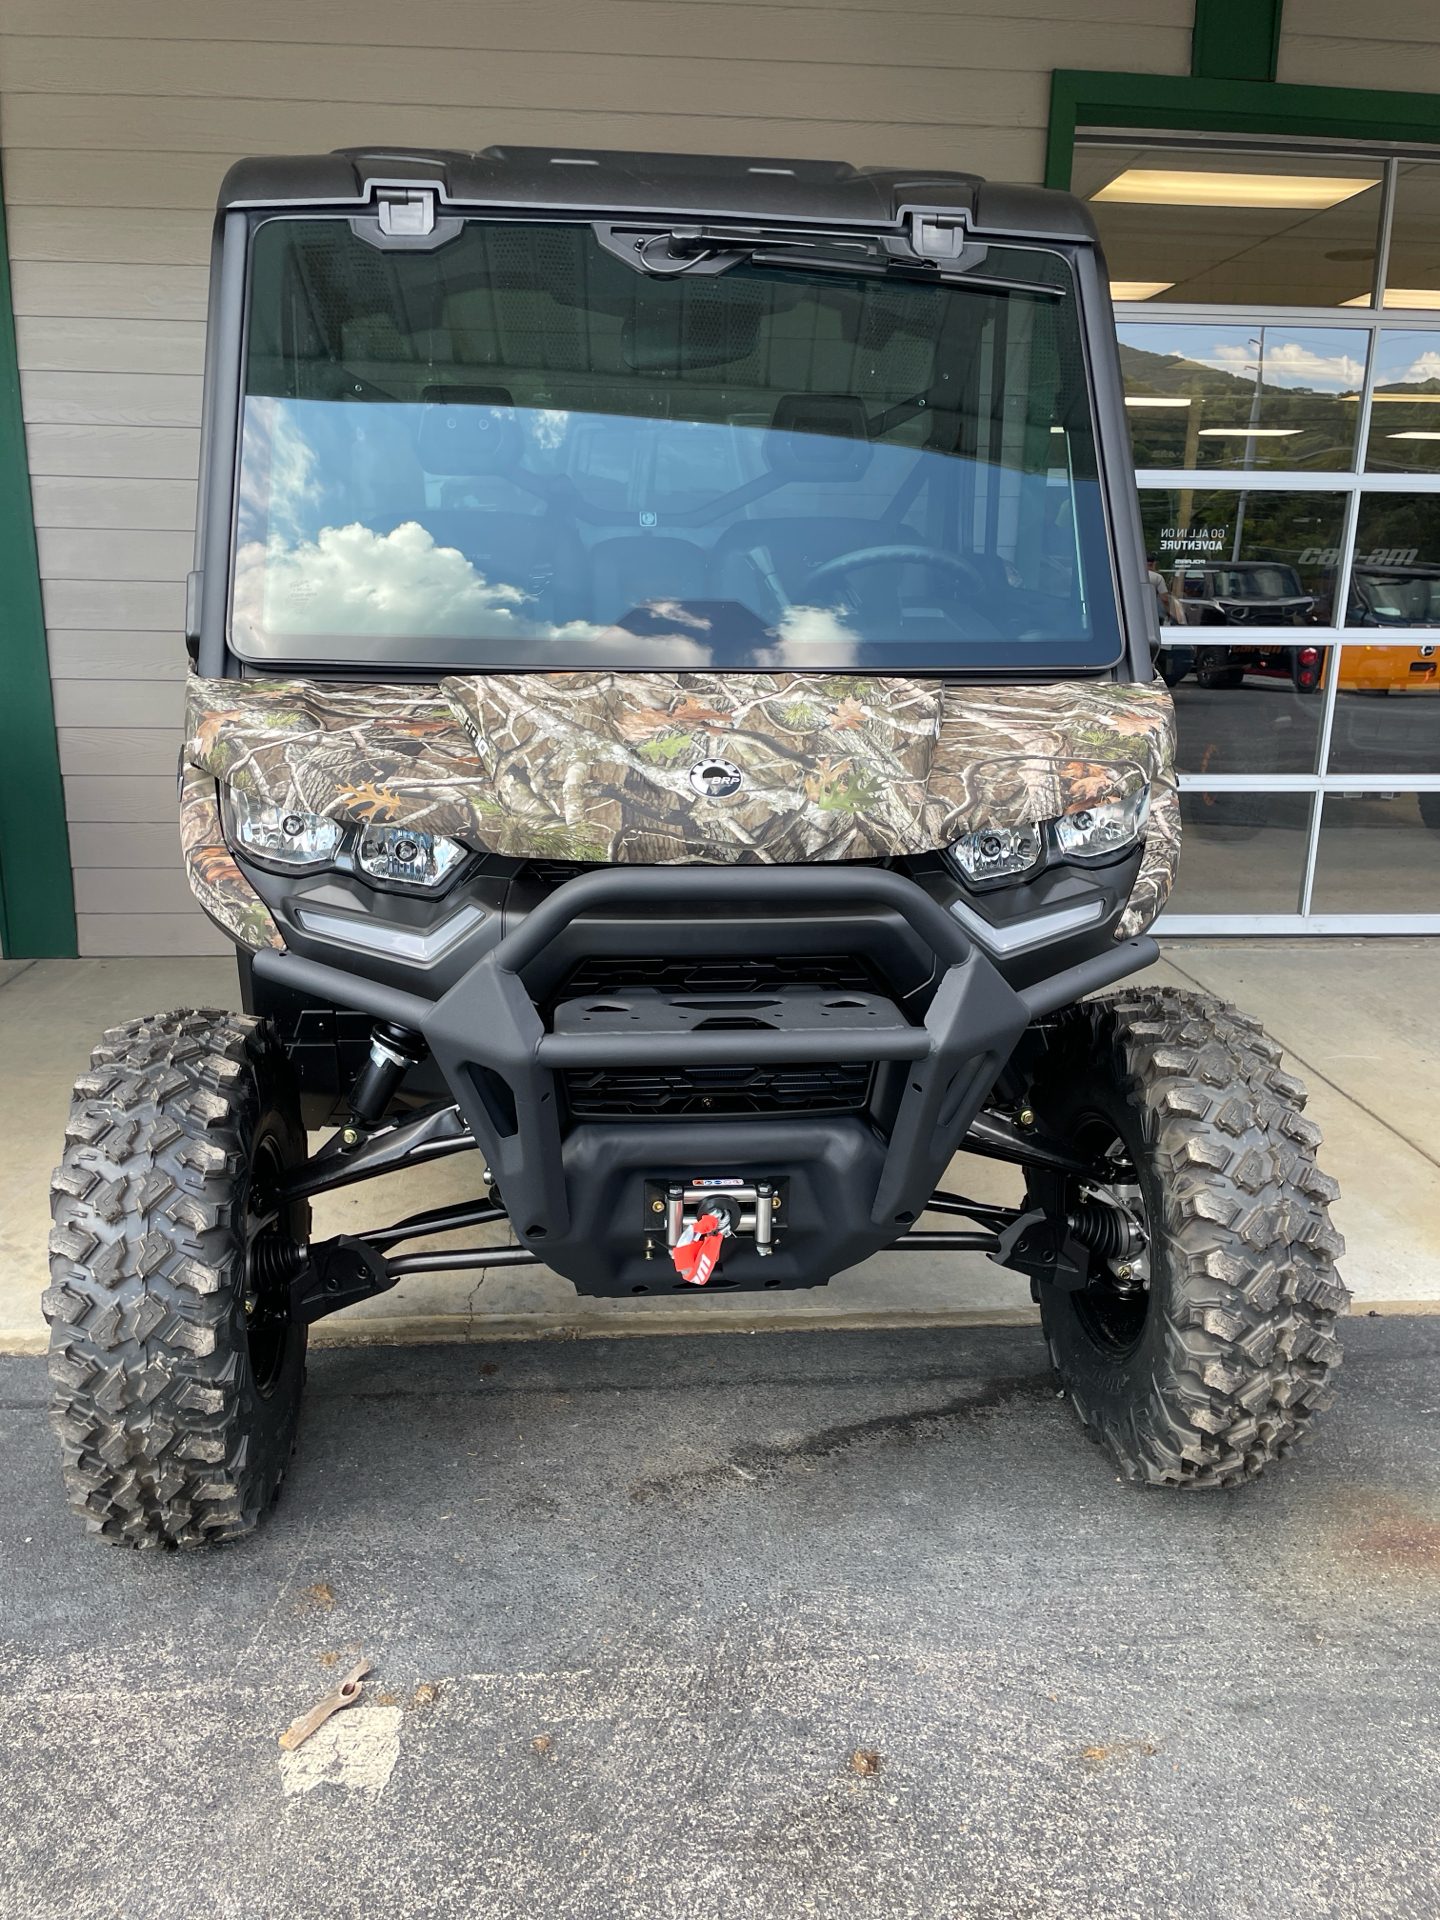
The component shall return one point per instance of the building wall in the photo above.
(117, 123)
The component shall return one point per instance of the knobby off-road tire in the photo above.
(177, 1373)
(1219, 1368)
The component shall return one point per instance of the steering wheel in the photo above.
(864, 557)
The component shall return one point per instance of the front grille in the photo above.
(713, 1093)
(686, 975)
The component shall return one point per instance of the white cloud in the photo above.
(811, 637)
(351, 580)
(1427, 367)
(1288, 363)
(279, 470)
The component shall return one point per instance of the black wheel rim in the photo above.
(269, 1261)
(1115, 1311)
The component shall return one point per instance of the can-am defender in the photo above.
(673, 718)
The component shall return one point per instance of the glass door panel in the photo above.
(1379, 853)
(1241, 852)
(1242, 397)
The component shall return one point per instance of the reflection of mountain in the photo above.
(1387, 453)
(1164, 373)
(1397, 386)
(1302, 426)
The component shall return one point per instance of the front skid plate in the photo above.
(827, 1171)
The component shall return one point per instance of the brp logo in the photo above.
(716, 779)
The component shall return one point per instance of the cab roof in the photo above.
(590, 182)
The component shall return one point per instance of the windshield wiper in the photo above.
(667, 251)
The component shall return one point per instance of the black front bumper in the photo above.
(574, 1188)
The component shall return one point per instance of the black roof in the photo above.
(591, 182)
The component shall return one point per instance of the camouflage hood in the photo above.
(597, 766)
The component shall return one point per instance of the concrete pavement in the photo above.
(1357, 1019)
(634, 1605)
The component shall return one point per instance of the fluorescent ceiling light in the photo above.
(1138, 289)
(1417, 435)
(1412, 296)
(1406, 399)
(1151, 187)
(1144, 400)
(1248, 433)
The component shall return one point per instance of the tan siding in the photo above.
(140, 236)
(119, 703)
(118, 124)
(129, 796)
(131, 890)
(127, 452)
(52, 344)
(123, 605)
(103, 935)
(126, 751)
(111, 656)
(112, 554)
(1393, 44)
(65, 500)
(122, 843)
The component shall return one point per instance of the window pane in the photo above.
(522, 450)
(1387, 712)
(1395, 581)
(1246, 709)
(1241, 558)
(1412, 274)
(1198, 225)
(1241, 852)
(1242, 396)
(1405, 414)
(1378, 854)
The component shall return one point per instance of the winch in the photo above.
(752, 1207)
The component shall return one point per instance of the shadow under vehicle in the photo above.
(671, 719)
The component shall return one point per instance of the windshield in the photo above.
(516, 450)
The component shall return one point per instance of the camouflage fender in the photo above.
(596, 766)
(215, 880)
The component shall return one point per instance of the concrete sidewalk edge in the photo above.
(450, 1329)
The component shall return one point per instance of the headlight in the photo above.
(997, 853)
(281, 837)
(412, 859)
(1091, 832)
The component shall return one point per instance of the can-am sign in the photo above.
(1381, 557)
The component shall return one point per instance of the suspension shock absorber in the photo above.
(393, 1051)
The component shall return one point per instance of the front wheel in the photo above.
(1205, 1356)
(177, 1367)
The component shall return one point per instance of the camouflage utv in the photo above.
(672, 719)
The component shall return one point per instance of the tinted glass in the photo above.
(1379, 853)
(1405, 411)
(518, 450)
(1239, 558)
(1387, 711)
(1241, 852)
(1201, 226)
(1412, 276)
(1395, 579)
(1242, 396)
(1242, 709)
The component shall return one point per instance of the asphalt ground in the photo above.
(633, 1607)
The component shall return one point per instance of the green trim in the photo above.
(1236, 39)
(37, 901)
(1160, 101)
